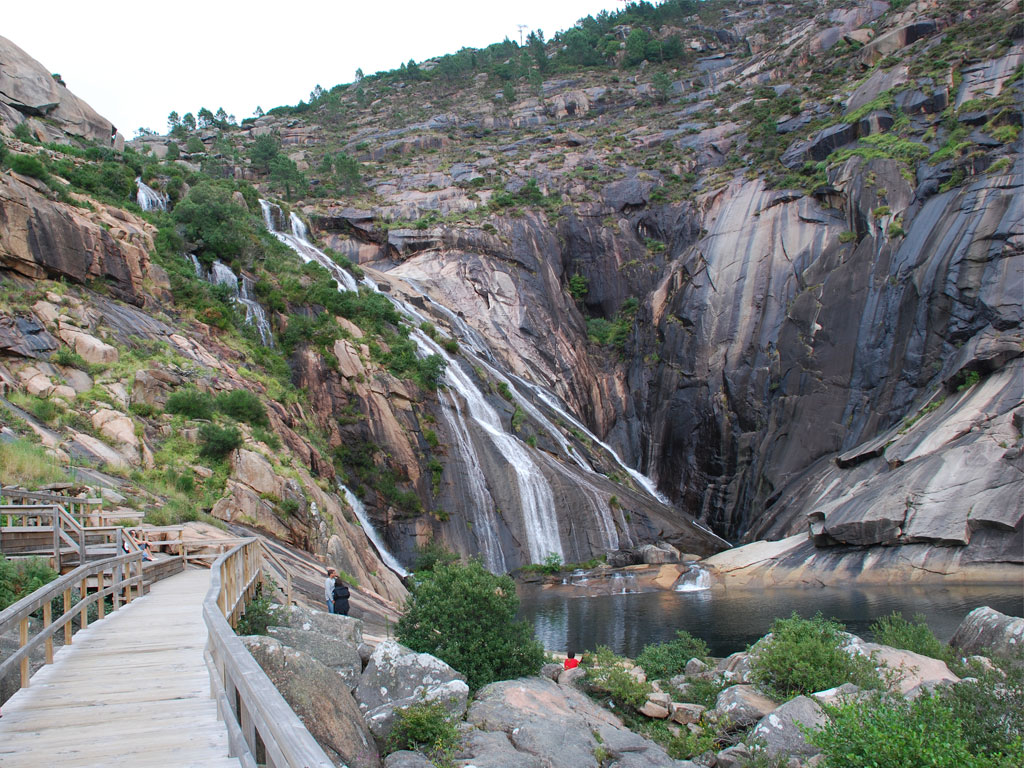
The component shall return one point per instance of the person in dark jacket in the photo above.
(340, 597)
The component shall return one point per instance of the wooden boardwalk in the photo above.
(131, 690)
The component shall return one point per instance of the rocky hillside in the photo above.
(770, 255)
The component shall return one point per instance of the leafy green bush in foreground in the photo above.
(466, 616)
(21, 578)
(425, 727)
(806, 655)
(665, 660)
(896, 631)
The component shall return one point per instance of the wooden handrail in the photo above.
(262, 728)
(18, 614)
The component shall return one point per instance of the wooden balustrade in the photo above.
(125, 577)
(262, 728)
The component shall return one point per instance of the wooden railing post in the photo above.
(117, 584)
(101, 604)
(47, 620)
(56, 538)
(84, 593)
(67, 609)
(22, 642)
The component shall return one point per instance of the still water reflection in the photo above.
(731, 620)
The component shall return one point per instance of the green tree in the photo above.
(465, 616)
(173, 121)
(205, 118)
(347, 173)
(284, 173)
(263, 152)
(213, 222)
(188, 122)
(636, 47)
(662, 85)
(535, 42)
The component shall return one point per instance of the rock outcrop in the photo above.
(321, 700)
(987, 630)
(534, 722)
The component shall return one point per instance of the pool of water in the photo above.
(731, 620)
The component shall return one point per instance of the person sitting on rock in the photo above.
(571, 662)
(332, 575)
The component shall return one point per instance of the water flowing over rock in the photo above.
(492, 467)
(148, 198)
(221, 274)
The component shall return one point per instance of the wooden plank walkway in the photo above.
(132, 689)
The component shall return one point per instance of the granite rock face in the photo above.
(396, 678)
(536, 723)
(987, 629)
(320, 698)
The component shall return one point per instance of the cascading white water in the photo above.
(364, 520)
(221, 274)
(478, 347)
(696, 579)
(535, 497)
(148, 198)
(298, 241)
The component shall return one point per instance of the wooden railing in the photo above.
(88, 511)
(115, 577)
(262, 728)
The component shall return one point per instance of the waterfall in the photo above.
(696, 579)
(535, 496)
(148, 198)
(371, 532)
(221, 274)
(298, 241)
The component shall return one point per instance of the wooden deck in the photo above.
(132, 689)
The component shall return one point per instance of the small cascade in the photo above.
(696, 579)
(201, 272)
(221, 274)
(298, 241)
(364, 520)
(577, 578)
(623, 583)
(148, 198)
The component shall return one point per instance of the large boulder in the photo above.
(535, 723)
(909, 669)
(331, 624)
(319, 697)
(741, 706)
(396, 678)
(985, 629)
(340, 655)
(781, 732)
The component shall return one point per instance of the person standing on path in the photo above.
(341, 594)
(332, 576)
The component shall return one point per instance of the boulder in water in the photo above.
(986, 629)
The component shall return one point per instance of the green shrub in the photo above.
(889, 732)
(243, 405)
(465, 616)
(259, 613)
(28, 165)
(704, 691)
(22, 577)
(217, 442)
(27, 464)
(23, 133)
(896, 631)
(989, 703)
(806, 655)
(69, 359)
(609, 674)
(664, 660)
(432, 554)
(425, 727)
(190, 403)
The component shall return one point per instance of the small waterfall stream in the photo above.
(221, 274)
(696, 579)
(364, 520)
(298, 241)
(148, 198)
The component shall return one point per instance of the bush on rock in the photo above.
(465, 616)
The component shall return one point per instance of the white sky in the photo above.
(135, 62)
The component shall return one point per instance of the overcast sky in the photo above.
(135, 62)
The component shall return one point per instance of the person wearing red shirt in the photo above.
(571, 662)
